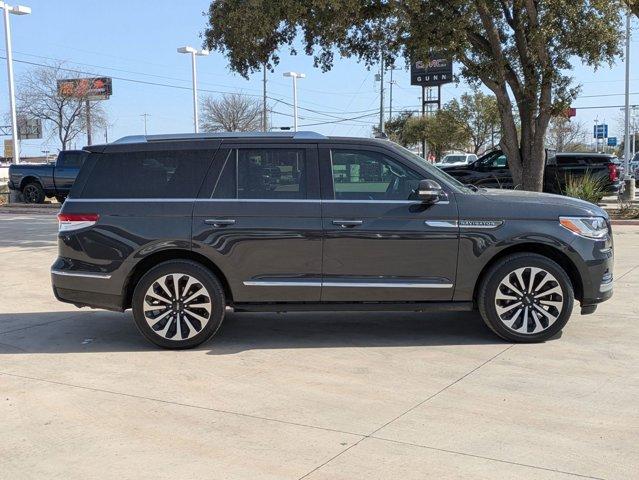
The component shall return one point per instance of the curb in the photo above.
(40, 209)
(624, 222)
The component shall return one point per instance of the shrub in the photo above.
(585, 187)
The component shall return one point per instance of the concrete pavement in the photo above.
(318, 396)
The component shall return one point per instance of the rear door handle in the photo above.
(220, 222)
(347, 223)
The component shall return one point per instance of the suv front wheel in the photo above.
(178, 304)
(526, 297)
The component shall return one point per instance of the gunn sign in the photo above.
(436, 71)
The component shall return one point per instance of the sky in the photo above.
(135, 42)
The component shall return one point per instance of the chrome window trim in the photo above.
(261, 200)
(63, 273)
(270, 283)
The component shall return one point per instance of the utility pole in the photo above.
(145, 116)
(264, 111)
(88, 107)
(381, 91)
(391, 83)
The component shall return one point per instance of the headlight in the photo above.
(589, 227)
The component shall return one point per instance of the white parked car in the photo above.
(457, 159)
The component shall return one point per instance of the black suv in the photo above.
(179, 227)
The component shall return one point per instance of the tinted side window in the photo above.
(495, 161)
(367, 175)
(271, 173)
(72, 159)
(263, 173)
(170, 174)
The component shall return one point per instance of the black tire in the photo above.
(188, 323)
(33, 193)
(487, 302)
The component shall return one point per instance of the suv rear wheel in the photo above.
(178, 304)
(526, 298)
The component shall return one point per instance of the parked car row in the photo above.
(491, 171)
(179, 227)
(457, 159)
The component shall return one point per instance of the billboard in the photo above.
(29, 128)
(436, 71)
(98, 88)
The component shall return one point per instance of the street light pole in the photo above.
(294, 76)
(17, 10)
(193, 53)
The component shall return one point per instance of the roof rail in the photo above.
(218, 135)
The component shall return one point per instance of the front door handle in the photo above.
(347, 223)
(220, 222)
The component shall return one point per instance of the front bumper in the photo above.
(594, 260)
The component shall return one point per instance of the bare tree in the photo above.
(231, 113)
(63, 116)
(565, 135)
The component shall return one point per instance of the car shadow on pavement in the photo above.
(86, 331)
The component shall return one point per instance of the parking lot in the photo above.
(318, 396)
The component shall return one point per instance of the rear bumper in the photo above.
(85, 289)
(613, 188)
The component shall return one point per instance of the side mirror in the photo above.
(429, 191)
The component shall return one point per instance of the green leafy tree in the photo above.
(519, 49)
(480, 113)
(395, 128)
(442, 131)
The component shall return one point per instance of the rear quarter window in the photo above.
(172, 174)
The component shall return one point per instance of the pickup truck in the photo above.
(491, 170)
(37, 181)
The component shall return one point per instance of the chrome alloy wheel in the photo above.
(529, 300)
(177, 306)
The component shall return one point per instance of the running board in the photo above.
(355, 307)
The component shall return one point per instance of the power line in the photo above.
(181, 87)
(102, 67)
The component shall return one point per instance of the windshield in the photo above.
(434, 172)
(454, 159)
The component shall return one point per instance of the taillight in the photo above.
(613, 172)
(74, 221)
